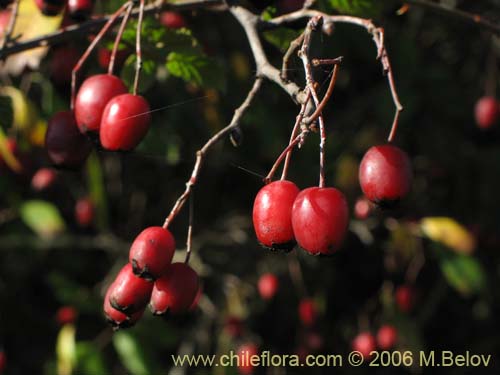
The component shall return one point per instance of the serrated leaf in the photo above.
(196, 68)
(281, 38)
(131, 353)
(462, 272)
(66, 350)
(42, 217)
(450, 233)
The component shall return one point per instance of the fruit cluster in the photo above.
(150, 277)
(317, 218)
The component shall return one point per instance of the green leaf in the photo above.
(42, 217)
(89, 360)
(464, 273)
(194, 67)
(131, 353)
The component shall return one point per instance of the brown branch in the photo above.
(328, 94)
(200, 155)
(118, 38)
(294, 45)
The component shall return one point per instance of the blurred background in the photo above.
(426, 271)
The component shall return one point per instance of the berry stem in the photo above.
(189, 241)
(91, 47)
(138, 52)
(119, 38)
(283, 154)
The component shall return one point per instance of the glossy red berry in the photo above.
(319, 218)
(151, 252)
(172, 20)
(272, 215)
(62, 61)
(93, 95)
(116, 318)
(66, 315)
(43, 179)
(4, 20)
(84, 212)
(486, 112)
(364, 343)
(129, 293)
(245, 353)
(405, 297)
(268, 285)
(65, 145)
(80, 9)
(362, 208)
(175, 290)
(125, 121)
(308, 313)
(50, 7)
(387, 336)
(385, 174)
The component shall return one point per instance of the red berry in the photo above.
(50, 7)
(268, 285)
(233, 326)
(61, 64)
(151, 252)
(308, 312)
(129, 293)
(3, 361)
(116, 318)
(245, 353)
(43, 179)
(319, 218)
(4, 20)
(104, 57)
(66, 146)
(125, 121)
(80, 9)
(196, 299)
(385, 174)
(405, 297)
(364, 343)
(84, 212)
(486, 112)
(272, 215)
(66, 315)
(387, 336)
(362, 208)
(172, 20)
(92, 97)
(175, 290)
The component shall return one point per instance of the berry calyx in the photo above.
(385, 174)
(364, 343)
(172, 20)
(272, 215)
(308, 313)
(50, 7)
(84, 212)
(268, 285)
(125, 121)
(151, 252)
(129, 293)
(175, 290)
(80, 10)
(486, 112)
(405, 297)
(245, 353)
(387, 336)
(319, 218)
(116, 318)
(65, 145)
(93, 95)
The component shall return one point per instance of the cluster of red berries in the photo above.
(365, 342)
(77, 9)
(150, 277)
(487, 112)
(316, 218)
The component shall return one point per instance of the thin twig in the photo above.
(189, 240)
(200, 155)
(138, 53)
(118, 38)
(10, 27)
(294, 45)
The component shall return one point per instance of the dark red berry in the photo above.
(319, 218)
(151, 252)
(129, 293)
(66, 146)
(308, 312)
(272, 215)
(80, 9)
(405, 297)
(43, 179)
(197, 298)
(175, 290)
(362, 208)
(84, 212)
(116, 318)
(125, 121)
(66, 315)
(104, 57)
(387, 336)
(245, 353)
(486, 112)
(172, 20)
(233, 326)
(50, 7)
(92, 97)
(385, 174)
(62, 61)
(268, 285)
(364, 343)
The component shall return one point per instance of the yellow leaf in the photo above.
(66, 350)
(24, 111)
(450, 233)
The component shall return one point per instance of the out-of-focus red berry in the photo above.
(84, 212)
(66, 315)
